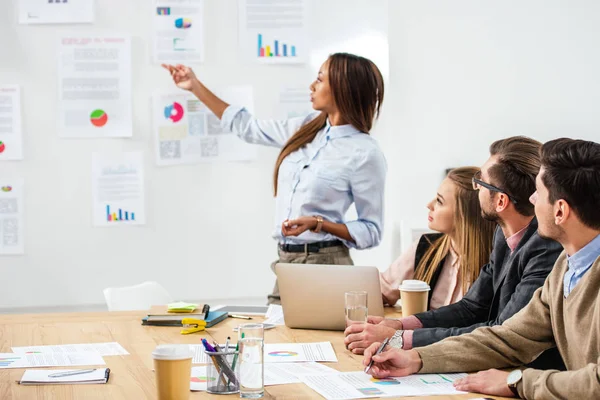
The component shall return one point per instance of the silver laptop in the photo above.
(312, 296)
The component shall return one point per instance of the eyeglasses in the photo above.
(477, 183)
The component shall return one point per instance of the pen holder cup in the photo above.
(222, 372)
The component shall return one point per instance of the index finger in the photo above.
(369, 351)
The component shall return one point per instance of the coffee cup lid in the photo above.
(413, 285)
(172, 352)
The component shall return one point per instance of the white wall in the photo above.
(206, 223)
(462, 74)
(467, 72)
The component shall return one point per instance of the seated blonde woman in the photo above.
(449, 261)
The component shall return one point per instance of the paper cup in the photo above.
(173, 368)
(414, 295)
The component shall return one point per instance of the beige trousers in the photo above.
(338, 255)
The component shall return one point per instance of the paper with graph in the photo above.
(94, 84)
(11, 136)
(298, 352)
(286, 373)
(358, 385)
(294, 101)
(103, 349)
(13, 360)
(273, 32)
(11, 216)
(186, 132)
(56, 11)
(118, 189)
(178, 31)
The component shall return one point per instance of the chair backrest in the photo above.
(136, 297)
(408, 234)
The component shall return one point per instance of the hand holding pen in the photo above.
(379, 350)
(391, 362)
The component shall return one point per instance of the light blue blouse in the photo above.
(339, 167)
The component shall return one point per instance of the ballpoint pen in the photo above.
(69, 373)
(239, 316)
(379, 350)
(237, 349)
(225, 358)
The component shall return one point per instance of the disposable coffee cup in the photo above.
(414, 295)
(173, 369)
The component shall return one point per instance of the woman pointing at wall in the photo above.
(327, 161)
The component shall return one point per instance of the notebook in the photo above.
(213, 318)
(75, 377)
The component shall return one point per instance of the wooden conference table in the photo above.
(132, 376)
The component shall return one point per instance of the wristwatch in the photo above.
(397, 341)
(319, 224)
(513, 379)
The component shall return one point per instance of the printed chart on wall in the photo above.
(186, 132)
(11, 138)
(274, 32)
(11, 216)
(294, 102)
(94, 83)
(56, 11)
(118, 189)
(178, 31)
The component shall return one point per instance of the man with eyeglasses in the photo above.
(520, 261)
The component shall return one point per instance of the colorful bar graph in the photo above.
(274, 50)
(261, 51)
(118, 216)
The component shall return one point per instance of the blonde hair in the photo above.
(473, 234)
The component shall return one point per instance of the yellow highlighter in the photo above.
(192, 325)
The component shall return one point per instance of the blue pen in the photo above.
(207, 346)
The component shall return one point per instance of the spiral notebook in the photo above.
(65, 377)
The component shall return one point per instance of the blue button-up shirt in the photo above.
(579, 263)
(339, 167)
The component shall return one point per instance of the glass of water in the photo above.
(251, 339)
(356, 307)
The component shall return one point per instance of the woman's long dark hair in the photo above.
(357, 88)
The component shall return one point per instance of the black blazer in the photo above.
(425, 242)
(505, 285)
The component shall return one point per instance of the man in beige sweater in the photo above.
(564, 313)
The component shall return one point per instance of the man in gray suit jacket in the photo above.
(519, 264)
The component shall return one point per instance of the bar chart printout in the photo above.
(118, 189)
(274, 32)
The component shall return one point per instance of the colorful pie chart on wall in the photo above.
(174, 112)
(183, 23)
(98, 118)
(2, 146)
(6, 188)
